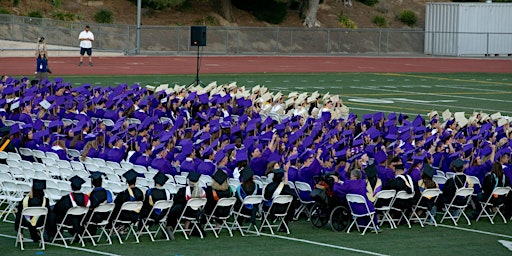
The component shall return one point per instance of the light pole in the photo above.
(137, 35)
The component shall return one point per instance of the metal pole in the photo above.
(137, 35)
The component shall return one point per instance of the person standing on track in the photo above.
(86, 38)
(42, 69)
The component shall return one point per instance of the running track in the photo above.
(148, 65)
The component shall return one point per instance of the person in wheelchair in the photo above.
(279, 186)
(355, 185)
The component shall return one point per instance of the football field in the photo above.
(408, 93)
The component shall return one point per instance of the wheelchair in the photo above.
(327, 208)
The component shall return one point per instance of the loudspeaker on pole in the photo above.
(198, 35)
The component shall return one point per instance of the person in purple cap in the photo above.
(160, 162)
(207, 167)
(415, 169)
(28, 139)
(117, 152)
(145, 159)
(59, 147)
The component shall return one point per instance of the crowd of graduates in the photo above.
(227, 128)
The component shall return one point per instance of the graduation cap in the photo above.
(193, 176)
(380, 156)
(428, 170)
(38, 184)
(458, 163)
(96, 175)
(160, 178)
(130, 175)
(418, 159)
(241, 155)
(76, 181)
(277, 171)
(15, 128)
(159, 148)
(220, 176)
(371, 171)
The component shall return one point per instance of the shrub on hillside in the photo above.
(64, 16)
(4, 11)
(104, 16)
(380, 21)
(35, 14)
(208, 21)
(408, 17)
(57, 3)
(264, 10)
(346, 22)
(369, 2)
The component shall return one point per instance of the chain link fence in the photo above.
(167, 40)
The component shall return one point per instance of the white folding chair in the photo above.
(449, 175)
(354, 199)
(52, 155)
(163, 206)
(77, 211)
(303, 191)
(139, 169)
(207, 180)
(426, 195)
(38, 155)
(75, 165)
(464, 195)
(34, 212)
(239, 216)
(14, 156)
(488, 206)
(282, 202)
(113, 165)
(440, 180)
(216, 216)
(126, 165)
(195, 204)
(181, 180)
(14, 191)
(73, 154)
(131, 207)
(27, 153)
(99, 161)
(104, 210)
(402, 195)
(383, 202)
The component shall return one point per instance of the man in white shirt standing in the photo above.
(86, 38)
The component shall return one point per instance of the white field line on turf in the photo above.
(324, 245)
(70, 247)
(448, 106)
(435, 94)
(476, 231)
(471, 88)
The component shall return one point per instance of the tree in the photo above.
(310, 18)
(225, 9)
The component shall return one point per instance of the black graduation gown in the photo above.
(488, 187)
(97, 196)
(180, 201)
(64, 204)
(269, 191)
(156, 194)
(450, 188)
(211, 201)
(125, 197)
(399, 184)
(32, 202)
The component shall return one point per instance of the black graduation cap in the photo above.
(280, 170)
(160, 178)
(193, 176)
(428, 170)
(96, 175)
(76, 181)
(371, 171)
(247, 173)
(38, 184)
(130, 175)
(458, 163)
(220, 176)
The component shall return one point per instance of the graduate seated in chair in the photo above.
(35, 198)
(98, 196)
(153, 195)
(75, 198)
(193, 190)
(219, 189)
(279, 186)
(131, 194)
